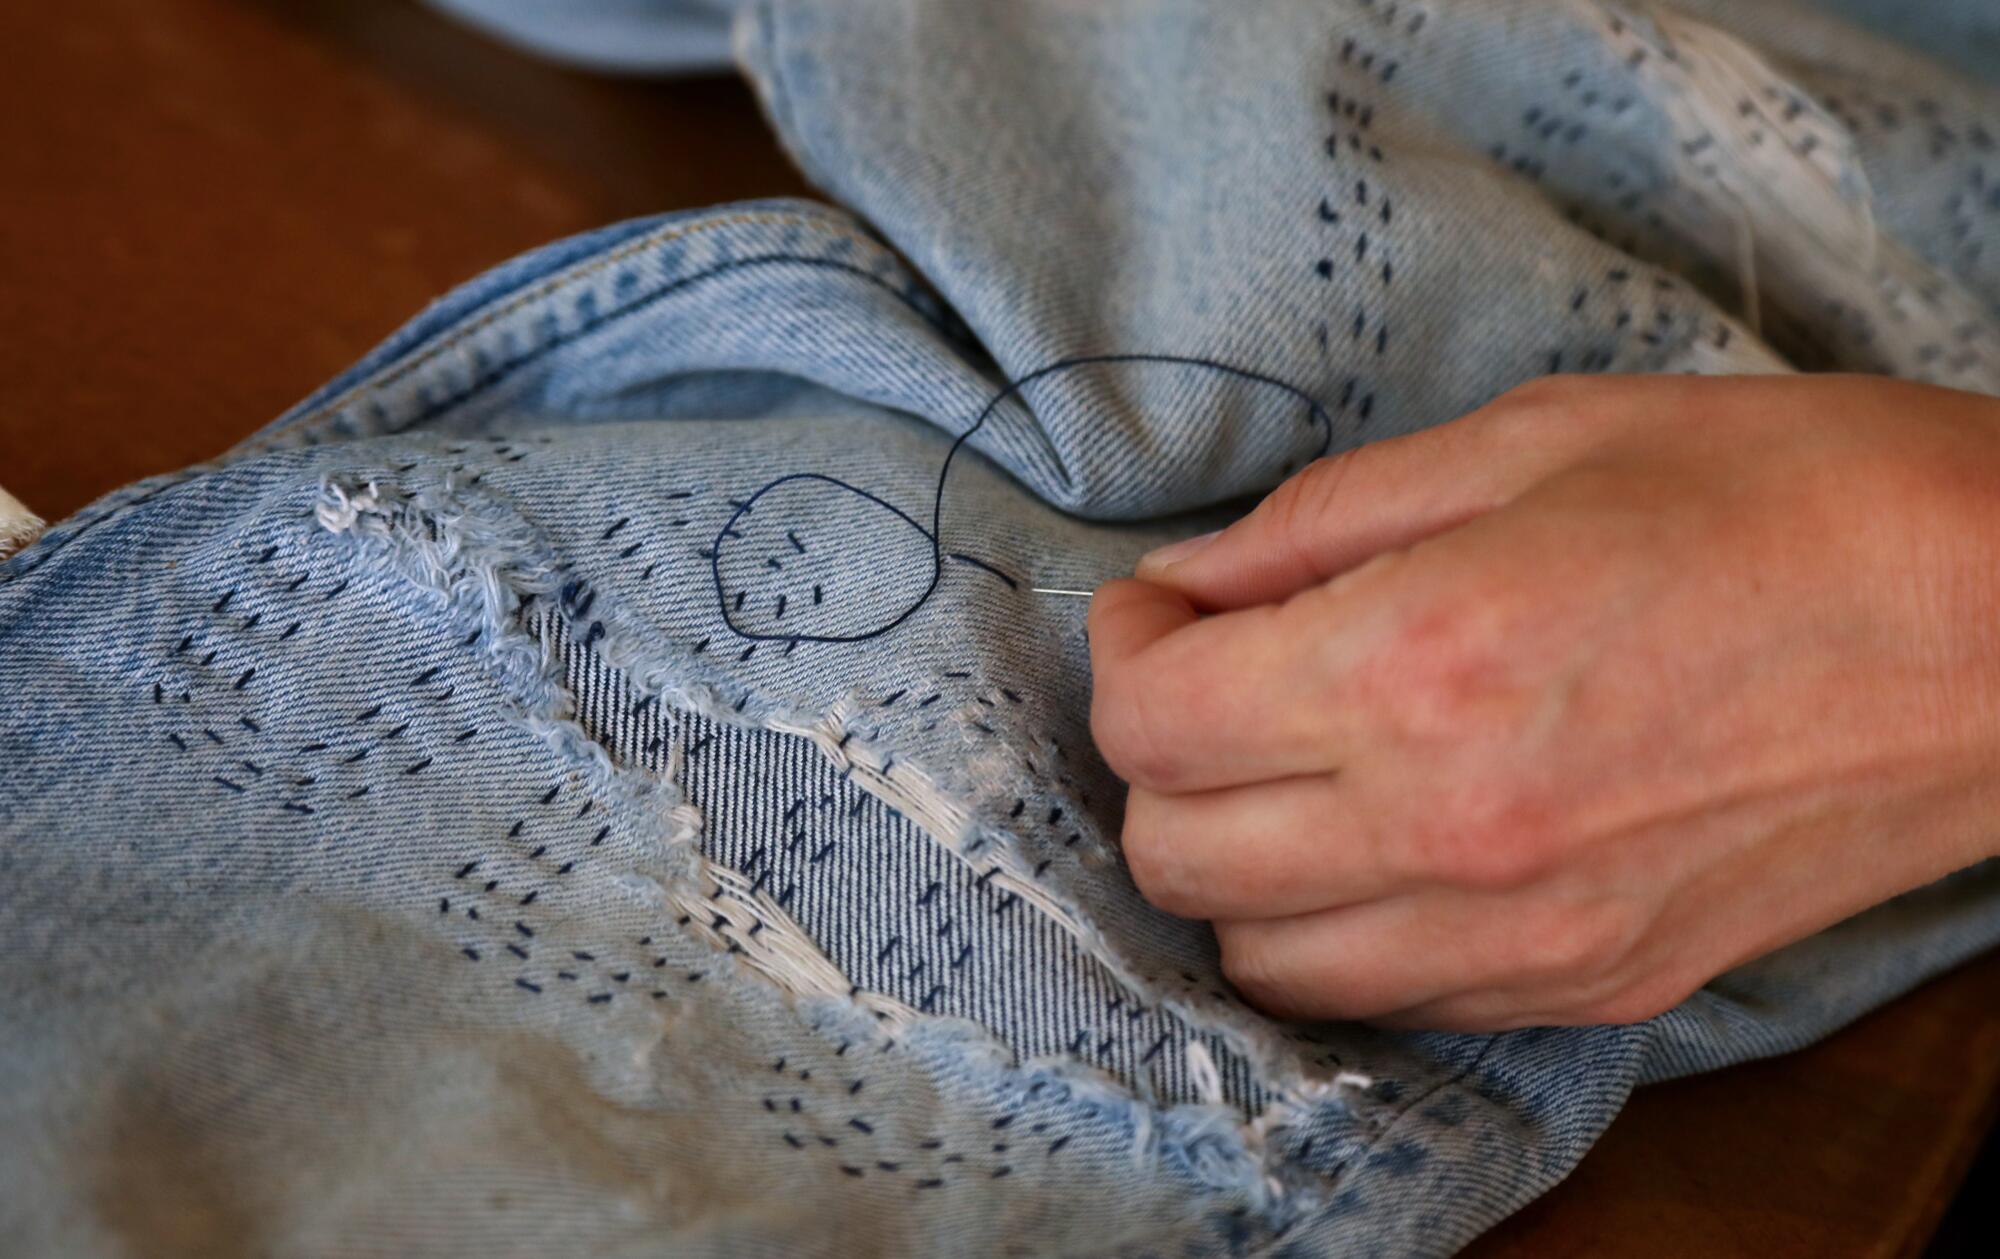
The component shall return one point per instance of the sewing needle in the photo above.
(1070, 594)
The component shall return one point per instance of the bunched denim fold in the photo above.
(595, 777)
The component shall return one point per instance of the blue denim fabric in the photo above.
(594, 777)
(618, 35)
(1961, 33)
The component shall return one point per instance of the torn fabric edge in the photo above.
(1798, 218)
(480, 568)
(440, 373)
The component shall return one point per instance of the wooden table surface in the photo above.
(211, 206)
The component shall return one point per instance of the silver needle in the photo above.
(1072, 594)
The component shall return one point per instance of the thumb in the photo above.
(1127, 617)
(1342, 510)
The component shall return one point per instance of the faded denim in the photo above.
(592, 778)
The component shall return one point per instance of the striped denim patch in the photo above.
(893, 909)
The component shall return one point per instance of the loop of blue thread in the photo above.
(935, 532)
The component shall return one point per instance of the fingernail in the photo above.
(1168, 556)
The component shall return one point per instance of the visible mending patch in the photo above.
(479, 561)
(485, 566)
(897, 911)
(1282, 1072)
(736, 915)
(910, 791)
(608, 696)
(1760, 164)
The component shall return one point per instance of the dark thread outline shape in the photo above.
(1318, 412)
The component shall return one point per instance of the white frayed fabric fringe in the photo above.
(18, 525)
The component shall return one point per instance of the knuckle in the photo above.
(1150, 856)
(1537, 411)
(1635, 1003)
(1128, 733)
(1511, 849)
(1443, 672)
(1311, 494)
(1257, 971)
(1572, 943)
(1623, 927)
(1492, 839)
(1547, 396)
(1300, 507)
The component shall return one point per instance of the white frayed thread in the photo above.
(732, 913)
(1202, 1073)
(1760, 165)
(910, 791)
(1286, 1112)
(340, 509)
(728, 911)
(18, 525)
(1207, 1081)
(482, 564)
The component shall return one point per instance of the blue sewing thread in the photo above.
(1318, 413)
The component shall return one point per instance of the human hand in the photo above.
(1550, 714)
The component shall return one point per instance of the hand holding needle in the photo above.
(1555, 712)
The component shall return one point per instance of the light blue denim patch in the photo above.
(595, 776)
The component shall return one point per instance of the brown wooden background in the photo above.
(210, 206)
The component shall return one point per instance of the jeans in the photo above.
(597, 776)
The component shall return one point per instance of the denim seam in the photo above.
(1362, 1151)
(671, 289)
(308, 426)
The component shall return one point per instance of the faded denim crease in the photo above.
(594, 778)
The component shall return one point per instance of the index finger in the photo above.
(1183, 702)
(1340, 511)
